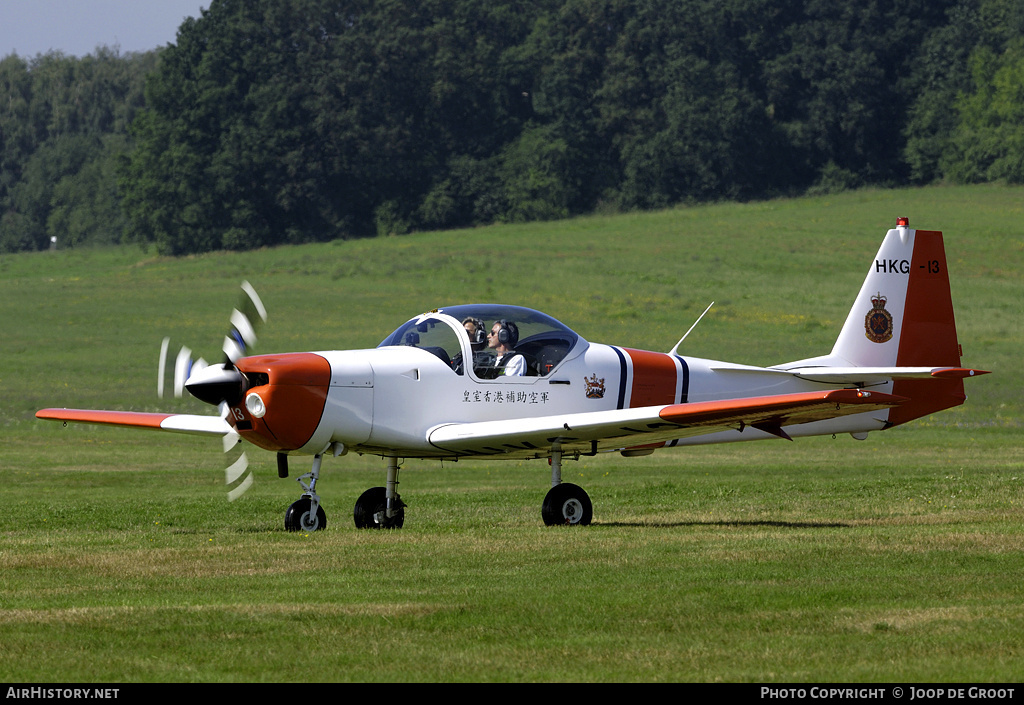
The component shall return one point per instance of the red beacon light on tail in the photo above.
(903, 222)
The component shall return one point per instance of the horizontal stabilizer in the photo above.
(862, 376)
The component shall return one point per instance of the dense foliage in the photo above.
(274, 121)
(63, 128)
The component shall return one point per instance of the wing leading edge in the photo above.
(612, 430)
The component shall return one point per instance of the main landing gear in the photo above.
(381, 507)
(565, 502)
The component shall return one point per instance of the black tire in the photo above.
(567, 504)
(298, 518)
(371, 505)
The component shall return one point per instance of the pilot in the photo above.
(502, 339)
(475, 329)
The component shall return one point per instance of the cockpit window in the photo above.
(432, 335)
(542, 340)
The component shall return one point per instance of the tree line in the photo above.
(287, 121)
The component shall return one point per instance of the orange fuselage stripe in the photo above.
(655, 378)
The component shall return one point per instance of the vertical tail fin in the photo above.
(903, 317)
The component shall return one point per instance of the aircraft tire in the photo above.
(567, 504)
(298, 518)
(370, 504)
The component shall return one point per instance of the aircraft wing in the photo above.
(626, 428)
(176, 423)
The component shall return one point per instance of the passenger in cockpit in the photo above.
(503, 338)
(475, 329)
(477, 340)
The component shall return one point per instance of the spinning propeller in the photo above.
(221, 384)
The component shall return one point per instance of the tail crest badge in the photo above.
(878, 322)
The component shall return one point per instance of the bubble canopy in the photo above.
(543, 340)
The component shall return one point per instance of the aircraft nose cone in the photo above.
(215, 384)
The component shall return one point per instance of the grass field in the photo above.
(897, 559)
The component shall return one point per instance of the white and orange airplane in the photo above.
(434, 389)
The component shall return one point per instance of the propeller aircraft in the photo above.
(505, 382)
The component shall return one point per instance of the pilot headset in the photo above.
(508, 333)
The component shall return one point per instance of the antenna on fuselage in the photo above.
(673, 351)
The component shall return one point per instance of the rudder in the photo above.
(929, 334)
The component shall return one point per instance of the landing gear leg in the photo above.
(394, 503)
(565, 502)
(307, 514)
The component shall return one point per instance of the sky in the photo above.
(77, 27)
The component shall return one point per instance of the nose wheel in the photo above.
(306, 514)
(301, 516)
